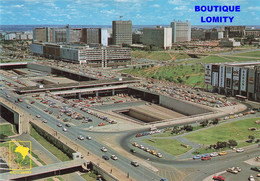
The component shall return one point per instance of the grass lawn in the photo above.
(237, 130)
(174, 73)
(61, 179)
(6, 129)
(165, 134)
(250, 54)
(219, 59)
(159, 55)
(168, 145)
(38, 159)
(54, 150)
(168, 133)
(239, 59)
(91, 176)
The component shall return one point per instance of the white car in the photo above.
(59, 125)
(103, 149)
(232, 170)
(44, 121)
(114, 157)
(213, 154)
(80, 137)
(239, 150)
(89, 137)
(65, 129)
(251, 178)
(38, 116)
(142, 147)
(159, 155)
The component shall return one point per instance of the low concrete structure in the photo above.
(229, 42)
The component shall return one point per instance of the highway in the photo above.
(123, 163)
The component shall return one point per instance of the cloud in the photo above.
(18, 6)
(180, 8)
(178, 2)
(130, 1)
(156, 5)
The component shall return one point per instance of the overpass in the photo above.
(13, 64)
(80, 85)
(46, 170)
(91, 90)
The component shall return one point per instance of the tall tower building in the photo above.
(181, 31)
(122, 32)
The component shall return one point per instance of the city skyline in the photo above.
(103, 12)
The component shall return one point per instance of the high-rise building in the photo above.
(181, 31)
(122, 32)
(42, 34)
(71, 35)
(235, 31)
(159, 36)
(95, 36)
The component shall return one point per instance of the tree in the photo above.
(232, 143)
(3, 137)
(204, 123)
(176, 130)
(221, 144)
(188, 127)
(179, 80)
(251, 137)
(215, 121)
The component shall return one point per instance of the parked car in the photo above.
(44, 121)
(114, 157)
(141, 147)
(220, 178)
(103, 149)
(204, 155)
(251, 178)
(68, 125)
(135, 144)
(147, 149)
(59, 125)
(159, 155)
(205, 158)
(134, 163)
(239, 150)
(196, 157)
(133, 150)
(105, 157)
(255, 169)
(163, 179)
(101, 124)
(222, 153)
(232, 170)
(38, 116)
(214, 154)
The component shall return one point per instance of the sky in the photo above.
(103, 12)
